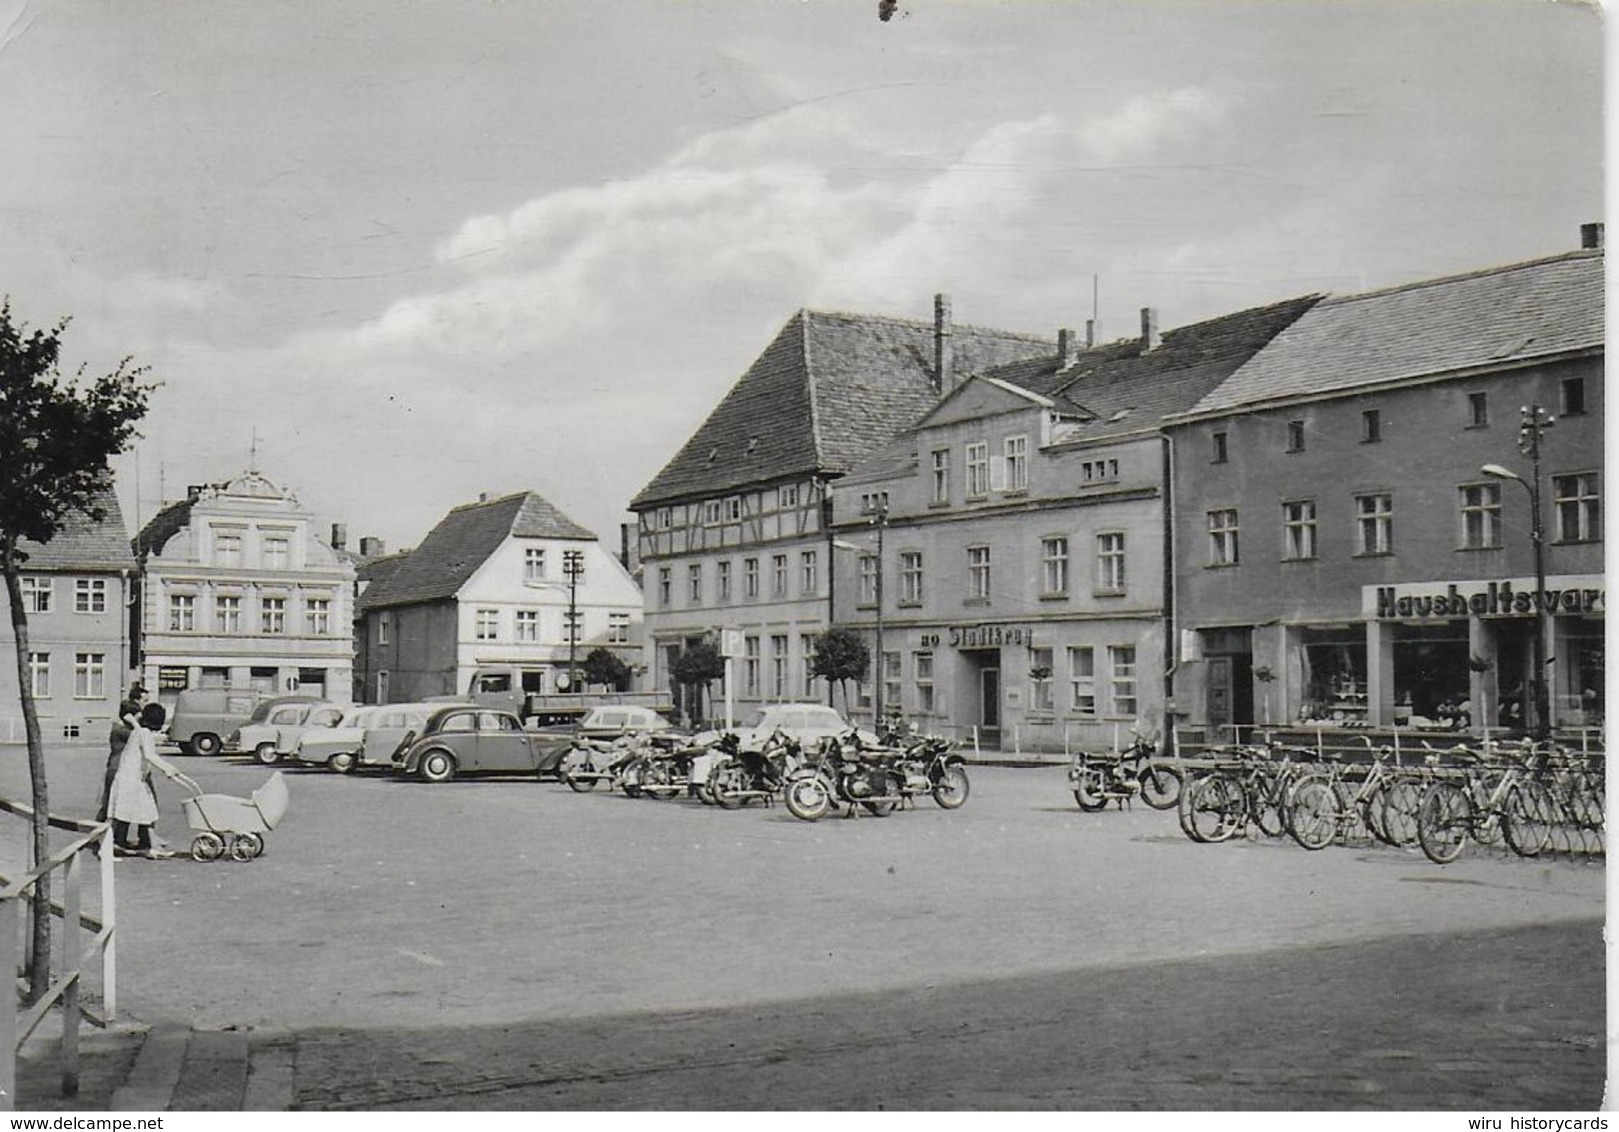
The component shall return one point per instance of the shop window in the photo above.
(1082, 679)
(1298, 530)
(1431, 675)
(1223, 537)
(1371, 426)
(1220, 455)
(1481, 516)
(1332, 669)
(1579, 507)
(1040, 697)
(1054, 566)
(1295, 436)
(1478, 410)
(1374, 524)
(1581, 696)
(1573, 399)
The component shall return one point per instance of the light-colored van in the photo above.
(203, 716)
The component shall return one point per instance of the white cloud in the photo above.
(1150, 122)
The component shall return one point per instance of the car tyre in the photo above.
(437, 766)
(342, 762)
(266, 753)
(205, 743)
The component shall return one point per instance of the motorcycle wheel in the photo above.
(725, 782)
(952, 788)
(1161, 786)
(1088, 790)
(807, 799)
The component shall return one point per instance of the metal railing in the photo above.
(18, 1020)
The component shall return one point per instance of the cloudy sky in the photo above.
(424, 250)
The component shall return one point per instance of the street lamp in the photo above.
(573, 568)
(1534, 422)
(879, 519)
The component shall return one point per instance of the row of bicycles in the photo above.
(837, 773)
(1532, 797)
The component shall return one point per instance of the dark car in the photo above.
(467, 739)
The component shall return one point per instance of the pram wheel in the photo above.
(246, 846)
(207, 847)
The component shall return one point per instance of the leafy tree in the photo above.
(698, 666)
(57, 438)
(841, 655)
(603, 666)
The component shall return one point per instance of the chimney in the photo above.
(1090, 333)
(944, 357)
(1591, 237)
(371, 547)
(1149, 330)
(626, 539)
(340, 536)
(483, 497)
(1067, 348)
(194, 491)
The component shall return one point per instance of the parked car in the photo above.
(201, 716)
(808, 723)
(275, 730)
(467, 739)
(367, 736)
(605, 722)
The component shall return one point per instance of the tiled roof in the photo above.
(372, 574)
(84, 543)
(1119, 389)
(163, 526)
(828, 389)
(1498, 316)
(463, 541)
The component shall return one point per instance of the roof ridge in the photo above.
(1461, 276)
(525, 492)
(925, 324)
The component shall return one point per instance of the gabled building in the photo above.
(76, 591)
(1023, 531)
(238, 590)
(1346, 555)
(733, 533)
(507, 582)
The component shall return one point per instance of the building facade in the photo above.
(238, 590)
(76, 592)
(1347, 551)
(733, 537)
(1006, 556)
(510, 582)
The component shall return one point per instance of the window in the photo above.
(182, 613)
(384, 626)
(806, 649)
(318, 616)
(227, 550)
(1573, 400)
(573, 565)
(1478, 410)
(723, 582)
(893, 671)
(1110, 562)
(1223, 537)
(533, 563)
(1121, 661)
(1298, 530)
(694, 583)
(977, 470)
(1220, 455)
(526, 625)
(712, 511)
(89, 675)
(874, 502)
(922, 666)
(1099, 471)
(90, 595)
(573, 624)
(618, 628)
(750, 665)
(787, 497)
(488, 625)
(809, 573)
(1579, 507)
(37, 594)
(1371, 426)
(228, 614)
(1481, 516)
(39, 674)
(272, 616)
(910, 577)
(778, 666)
(1054, 565)
(750, 578)
(1374, 521)
(1082, 679)
(1017, 463)
(733, 509)
(941, 475)
(662, 519)
(665, 586)
(778, 575)
(277, 552)
(868, 579)
(1040, 680)
(1295, 436)
(978, 573)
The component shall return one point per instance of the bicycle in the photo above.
(1483, 801)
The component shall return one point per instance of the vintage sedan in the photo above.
(459, 739)
(275, 735)
(367, 737)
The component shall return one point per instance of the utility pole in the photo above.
(881, 520)
(573, 568)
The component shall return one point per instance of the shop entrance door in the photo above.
(1230, 693)
(989, 701)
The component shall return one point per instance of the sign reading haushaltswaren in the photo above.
(1566, 594)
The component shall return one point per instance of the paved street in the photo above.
(592, 951)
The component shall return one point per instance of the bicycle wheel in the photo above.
(1313, 813)
(1399, 820)
(1370, 805)
(1527, 817)
(1265, 791)
(1215, 809)
(1444, 822)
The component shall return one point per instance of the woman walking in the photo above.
(132, 806)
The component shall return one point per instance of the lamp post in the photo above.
(1534, 421)
(573, 568)
(879, 519)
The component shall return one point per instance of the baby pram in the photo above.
(238, 824)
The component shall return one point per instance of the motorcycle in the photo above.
(590, 761)
(661, 770)
(844, 772)
(1122, 776)
(739, 776)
